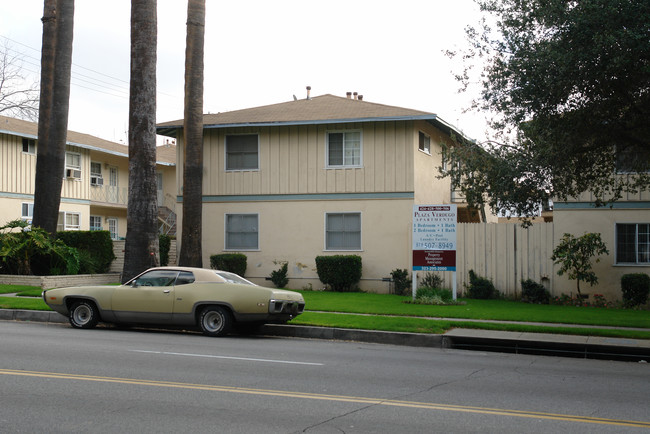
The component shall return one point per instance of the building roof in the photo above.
(165, 155)
(324, 109)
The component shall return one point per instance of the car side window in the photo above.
(184, 277)
(156, 278)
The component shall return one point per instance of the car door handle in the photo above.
(167, 291)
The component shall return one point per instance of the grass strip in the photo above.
(23, 303)
(8, 289)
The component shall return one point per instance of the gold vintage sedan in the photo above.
(211, 300)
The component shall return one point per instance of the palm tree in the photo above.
(191, 254)
(141, 247)
(56, 64)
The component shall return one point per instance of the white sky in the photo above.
(260, 52)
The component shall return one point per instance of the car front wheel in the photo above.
(84, 315)
(215, 321)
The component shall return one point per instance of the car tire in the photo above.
(215, 321)
(83, 315)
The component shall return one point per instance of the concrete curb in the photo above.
(468, 339)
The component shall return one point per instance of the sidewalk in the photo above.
(636, 350)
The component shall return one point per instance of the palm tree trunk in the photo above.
(56, 64)
(141, 246)
(191, 249)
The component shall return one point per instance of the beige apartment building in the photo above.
(95, 181)
(325, 175)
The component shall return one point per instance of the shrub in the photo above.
(341, 272)
(480, 287)
(164, 244)
(232, 262)
(279, 277)
(533, 292)
(431, 280)
(97, 245)
(430, 293)
(574, 255)
(635, 288)
(401, 281)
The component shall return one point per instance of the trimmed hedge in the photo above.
(340, 272)
(232, 262)
(95, 249)
(635, 288)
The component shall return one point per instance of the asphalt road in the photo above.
(57, 379)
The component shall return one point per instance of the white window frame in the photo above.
(31, 146)
(94, 173)
(424, 142)
(229, 246)
(328, 232)
(71, 165)
(94, 227)
(227, 159)
(345, 149)
(637, 241)
(112, 223)
(30, 211)
(63, 224)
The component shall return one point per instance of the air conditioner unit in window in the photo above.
(72, 173)
(96, 180)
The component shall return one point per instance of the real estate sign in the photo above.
(434, 237)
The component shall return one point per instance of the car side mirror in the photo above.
(134, 283)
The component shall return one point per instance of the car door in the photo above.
(148, 299)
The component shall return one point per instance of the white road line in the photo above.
(209, 356)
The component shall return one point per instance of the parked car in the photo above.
(212, 300)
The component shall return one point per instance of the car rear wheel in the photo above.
(215, 321)
(84, 315)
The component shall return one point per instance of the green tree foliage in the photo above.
(574, 256)
(28, 250)
(568, 85)
(279, 277)
(401, 281)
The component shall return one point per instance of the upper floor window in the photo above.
(344, 149)
(242, 152)
(343, 231)
(95, 169)
(424, 143)
(633, 243)
(242, 231)
(29, 146)
(72, 165)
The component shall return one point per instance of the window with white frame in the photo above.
(72, 160)
(242, 232)
(633, 243)
(29, 146)
(95, 168)
(69, 221)
(242, 152)
(95, 223)
(343, 231)
(344, 149)
(27, 211)
(112, 228)
(424, 143)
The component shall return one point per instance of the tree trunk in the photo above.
(56, 64)
(191, 250)
(141, 246)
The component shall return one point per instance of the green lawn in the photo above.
(390, 313)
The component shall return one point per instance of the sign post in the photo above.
(434, 240)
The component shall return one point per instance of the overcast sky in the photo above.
(260, 52)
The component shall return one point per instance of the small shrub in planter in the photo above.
(533, 292)
(635, 288)
(279, 277)
(480, 287)
(431, 280)
(340, 272)
(401, 281)
(429, 295)
(232, 262)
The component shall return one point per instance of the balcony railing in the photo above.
(109, 194)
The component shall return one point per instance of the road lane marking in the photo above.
(337, 398)
(210, 356)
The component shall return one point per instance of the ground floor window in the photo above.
(242, 231)
(69, 221)
(95, 223)
(343, 231)
(112, 228)
(633, 243)
(27, 212)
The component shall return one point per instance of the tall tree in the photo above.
(569, 84)
(17, 98)
(191, 252)
(141, 247)
(56, 65)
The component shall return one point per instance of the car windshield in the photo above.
(233, 278)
